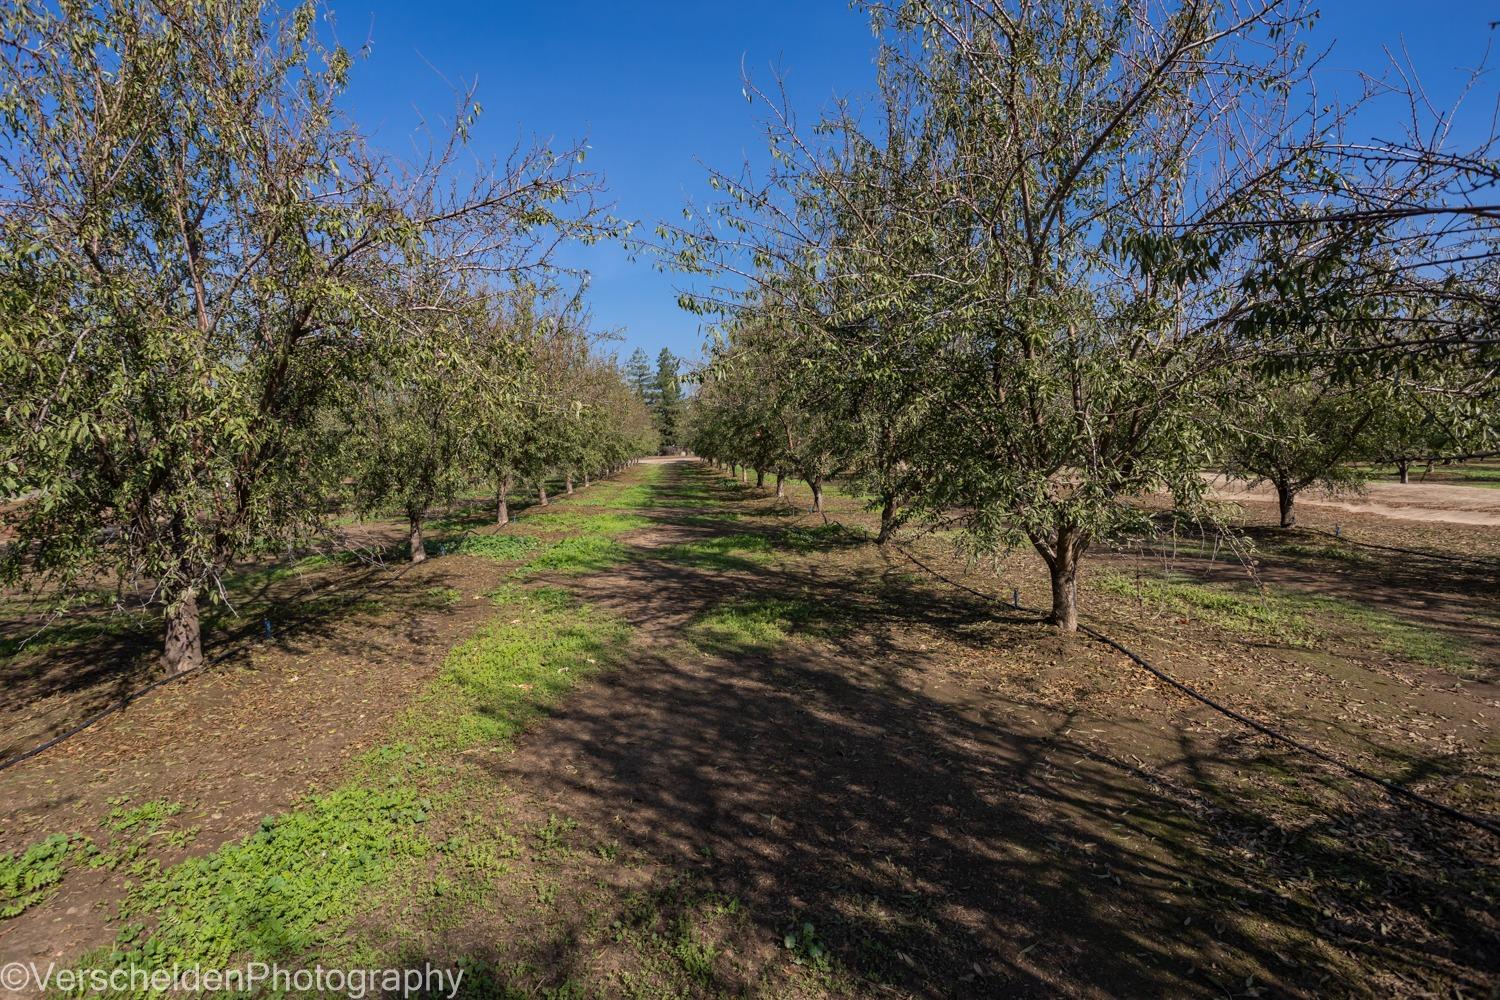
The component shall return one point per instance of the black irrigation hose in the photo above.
(134, 695)
(1488, 565)
(1399, 791)
(111, 710)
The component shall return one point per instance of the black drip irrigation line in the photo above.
(1488, 565)
(1391, 787)
(164, 681)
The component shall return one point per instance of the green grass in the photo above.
(635, 496)
(72, 630)
(756, 625)
(30, 878)
(516, 667)
(501, 548)
(272, 894)
(290, 887)
(1253, 615)
(1335, 551)
(574, 556)
(722, 552)
(1296, 619)
(582, 523)
(254, 579)
(1403, 639)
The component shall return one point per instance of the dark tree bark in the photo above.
(1062, 557)
(760, 478)
(887, 520)
(1403, 470)
(418, 547)
(1286, 495)
(183, 650)
(816, 485)
(502, 502)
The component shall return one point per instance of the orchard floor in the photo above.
(819, 768)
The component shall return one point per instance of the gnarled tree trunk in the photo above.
(760, 478)
(1403, 470)
(816, 485)
(541, 492)
(1285, 496)
(1062, 565)
(780, 486)
(418, 547)
(502, 501)
(887, 520)
(183, 649)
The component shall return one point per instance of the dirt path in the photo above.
(1410, 501)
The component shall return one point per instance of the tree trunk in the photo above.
(1285, 495)
(1064, 570)
(183, 649)
(502, 503)
(541, 492)
(744, 474)
(1403, 470)
(585, 480)
(887, 521)
(760, 478)
(418, 548)
(568, 480)
(780, 486)
(816, 484)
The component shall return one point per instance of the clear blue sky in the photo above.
(655, 87)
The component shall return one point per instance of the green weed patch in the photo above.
(576, 555)
(589, 524)
(30, 878)
(744, 626)
(515, 668)
(823, 538)
(722, 552)
(501, 548)
(271, 894)
(1292, 618)
(1261, 616)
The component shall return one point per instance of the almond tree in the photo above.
(199, 255)
(1054, 254)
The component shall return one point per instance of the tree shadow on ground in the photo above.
(953, 846)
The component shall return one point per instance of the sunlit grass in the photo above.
(757, 625)
(727, 552)
(574, 556)
(501, 548)
(583, 523)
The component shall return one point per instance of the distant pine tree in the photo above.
(639, 377)
(668, 403)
